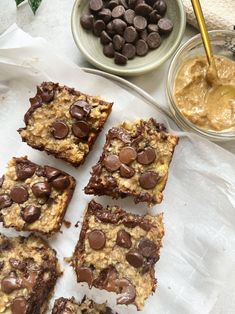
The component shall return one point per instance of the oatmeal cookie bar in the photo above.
(33, 197)
(117, 251)
(135, 161)
(28, 273)
(64, 122)
(69, 306)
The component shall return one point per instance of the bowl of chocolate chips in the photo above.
(128, 37)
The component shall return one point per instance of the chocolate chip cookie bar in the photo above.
(28, 273)
(64, 122)
(117, 251)
(33, 197)
(69, 306)
(135, 162)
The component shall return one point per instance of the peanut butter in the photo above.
(209, 105)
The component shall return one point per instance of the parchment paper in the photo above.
(198, 254)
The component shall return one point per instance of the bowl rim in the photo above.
(179, 118)
(124, 71)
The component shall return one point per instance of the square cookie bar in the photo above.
(135, 161)
(28, 272)
(64, 122)
(70, 306)
(33, 197)
(117, 251)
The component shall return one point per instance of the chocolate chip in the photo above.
(105, 38)
(10, 283)
(165, 26)
(134, 258)
(5, 201)
(87, 21)
(105, 15)
(127, 155)
(99, 26)
(109, 29)
(130, 34)
(108, 50)
(160, 6)
(81, 129)
(118, 12)
(143, 9)
(79, 109)
(152, 28)
(61, 183)
(124, 239)
(19, 306)
(17, 264)
(25, 169)
(147, 248)
(19, 194)
(30, 213)
(59, 130)
(141, 48)
(140, 22)
(41, 189)
(96, 5)
(96, 239)
(127, 291)
(120, 59)
(51, 173)
(126, 172)
(132, 3)
(143, 34)
(154, 17)
(112, 4)
(1, 181)
(146, 156)
(85, 274)
(118, 42)
(119, 26)
(154, 40)
(124, 4)
(148, 180)
(129, 51)
(112, 163)
(129, 16)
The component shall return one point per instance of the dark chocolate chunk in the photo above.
(124, 239)
(25, 169)
(51, 173)
(105, 15)
(61, 183)
(129, 51)
(119, 26)
(99, 26)
(36, 101)
(120, 59)
(30, 213)
(41, 189)
(153, 40)
(96, 5)
(127, 154)
(118, 11)
(80, 109)
(5, 201)
(97, 239)
(148, 180)
(47, 95)
(112, 163)
(160, 6)
(105, 38)
(141, 48)
(140, 22)
(10, 283)
(147, 248)
(118, 42)
(130, 34)
(59, 129)
(127, 291)
(126, 171)
(108, 50)
(81, 129)
(152, 28)
(1, 181)
(154, 17)
(17, 264)
(146, 156)
(112, 4)
(143, 9)
(19, 306)
(87, 21)
(165, 26)
(19, 194)
(135, 258)
(129, 16)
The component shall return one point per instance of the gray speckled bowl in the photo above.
(92, 49)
